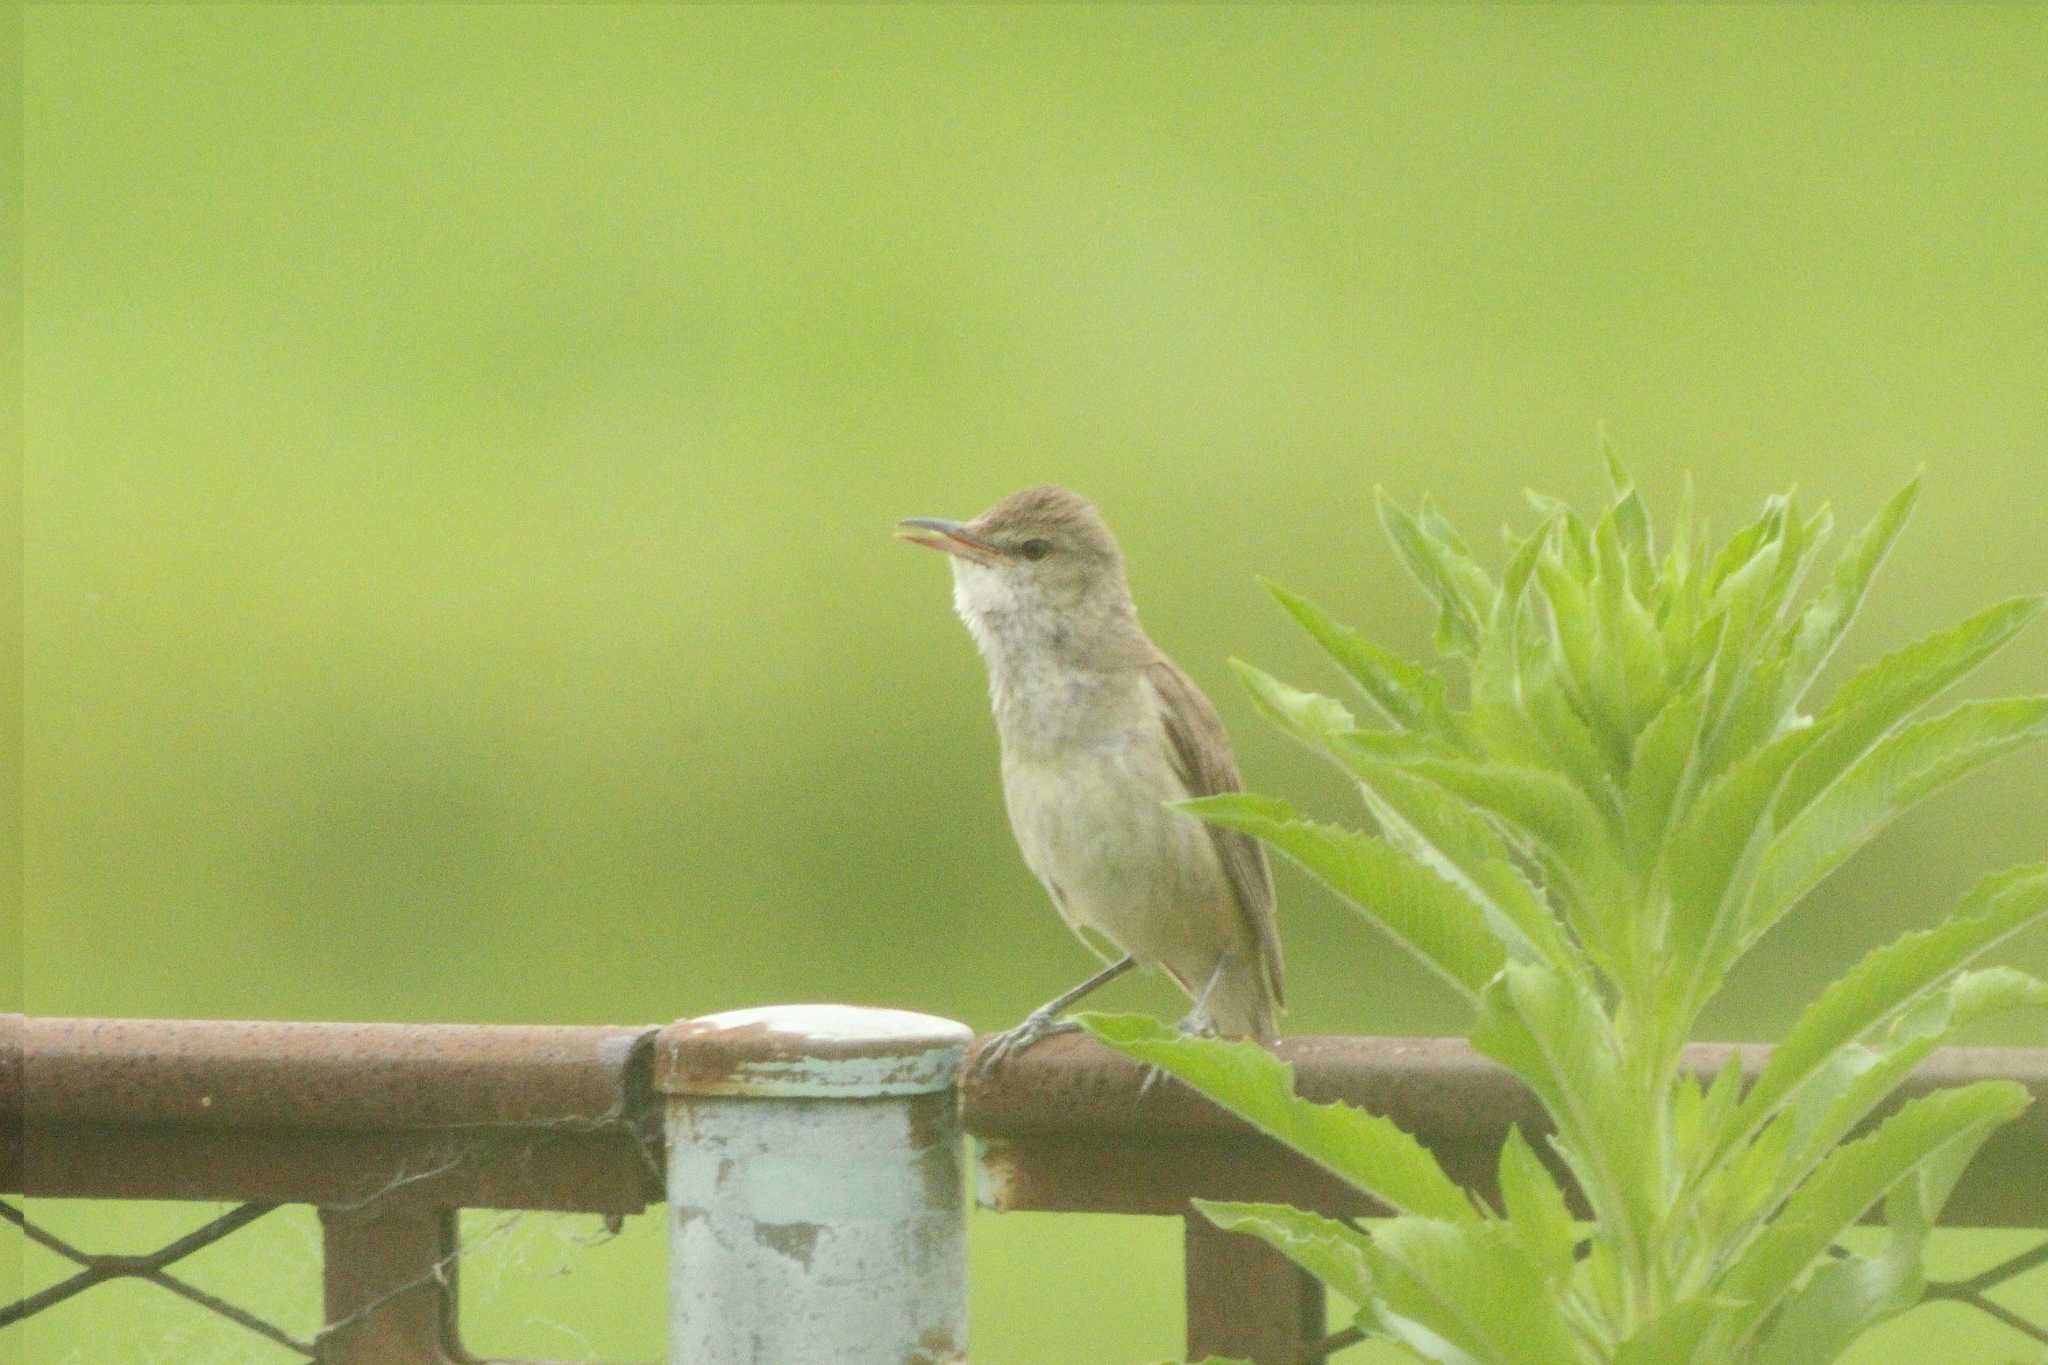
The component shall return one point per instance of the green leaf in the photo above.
(1411, 697)
(1580, 660)
(1826, 619)
(1438, 561)
(1672, 1337)
(1431, 917)
(1631, 638)
(1552, 1033)
(1892, 978)
(1631, 519)
(1472, 1286)
(1535, 1207)
(1929, 1136)
(1745, 545)
(1443, 834)
(1835, 1099)
(1333, 1252)
(1659, 774)
(1361, 1148)
(1707, 869)
(1894, 775)
(1872, 704)
(1310, 717)
(1497, 670)
(1565, 828)
(1840, 1302)
(1746, 606)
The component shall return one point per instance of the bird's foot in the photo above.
(1198, 1024)
(1038, 1026)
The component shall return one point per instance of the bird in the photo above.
(1099, 732)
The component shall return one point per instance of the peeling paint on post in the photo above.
(817, 1208)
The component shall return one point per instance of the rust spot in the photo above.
(995, 1170)
(939, 1171)
(794, 1240)
(727, 1053)
(934, 1118)
(698, 1052)
(936, 1347)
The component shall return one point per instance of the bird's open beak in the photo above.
(951, 536)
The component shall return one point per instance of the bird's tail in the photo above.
(1242, 1004)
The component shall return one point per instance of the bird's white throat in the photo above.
(1059, 672)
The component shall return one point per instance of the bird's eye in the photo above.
(1035, 549)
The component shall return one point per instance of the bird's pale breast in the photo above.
(1093, 828)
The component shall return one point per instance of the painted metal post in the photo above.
(817, 1200)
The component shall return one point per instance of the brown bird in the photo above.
(1099, 731)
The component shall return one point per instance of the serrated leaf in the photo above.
(1874, 702)
(1310, 717)
(1333, 1252)
(1438, 562)
(1431, 917)
(1631, 642)
(1411, 697)
(1659, 773)
(1745, 545)
(1708, 867)
(1472, 1285)
(1361, 1148)
(1497, 671)
(1745, 604)
(1827, 1116)
(1888, 981)
(1631, 519)
(1553, 1033)
(1934, 1132)
(1826, 619)
(1535, 1206)
(1552, 815)
(1898, 772)
(1579, 657)
(1840, 1302)
(1448, 837)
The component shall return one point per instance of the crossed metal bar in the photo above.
(98, 1269)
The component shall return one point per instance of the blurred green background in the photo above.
(464, 444)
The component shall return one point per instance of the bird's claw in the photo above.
(1036, 1028)
(1198, 1024)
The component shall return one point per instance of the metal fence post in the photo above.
(1247, 1301)
(817, 1205)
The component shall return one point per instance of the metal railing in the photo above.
(391, 1130)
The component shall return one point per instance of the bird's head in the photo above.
(1041, 561)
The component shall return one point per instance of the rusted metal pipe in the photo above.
(1062, 1127)
(215, 1073)
(817, 1199)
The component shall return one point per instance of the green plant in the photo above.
(1625, 798)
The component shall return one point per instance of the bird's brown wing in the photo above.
(1201, 752)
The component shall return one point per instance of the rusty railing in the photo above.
(390, 1130)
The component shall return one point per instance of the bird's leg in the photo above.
(1043, 1022)
(1197, 1024)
